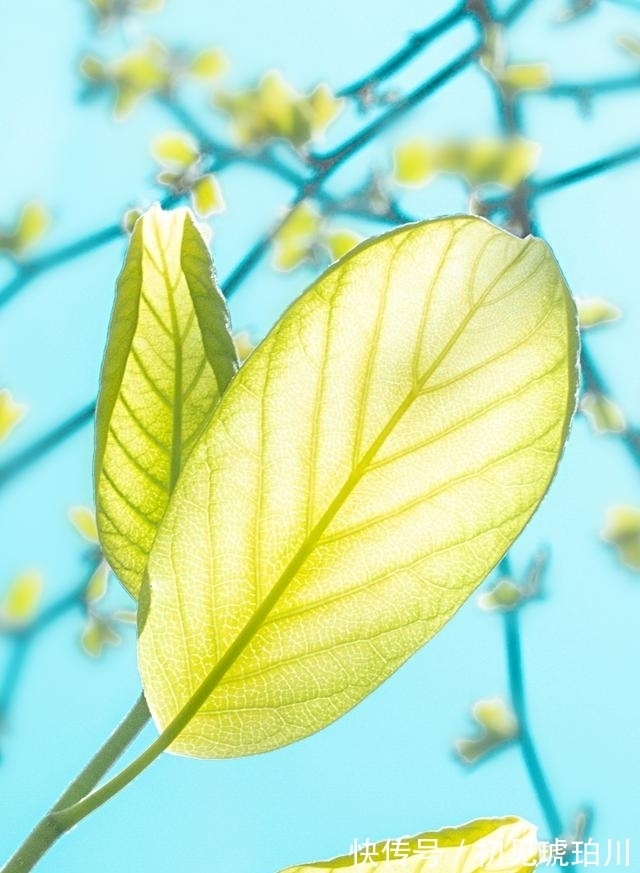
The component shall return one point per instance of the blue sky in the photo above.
(387, 768)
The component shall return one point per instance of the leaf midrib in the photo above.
(255, 622)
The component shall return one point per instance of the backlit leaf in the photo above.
(22, 599)
(297, 237)
(603, 414)
(175, 150)
(98, 584)
(497, 725)
(11, 413)
(413, 162)
(33, 222)
(96, 634)
(209, 64)
(622, 529)
(339, 242)
(593, 311)
(206, 196)
(529, 77)
(499, 845)
(369, 464)
(630, 44)
(169, 357)
(84, 520)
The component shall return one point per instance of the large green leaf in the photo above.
(169, 357)
(499, 845)
(368, 466)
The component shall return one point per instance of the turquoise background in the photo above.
(386, 768)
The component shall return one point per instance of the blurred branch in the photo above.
(417, 42)
(35, 267)
(46, 444)
(583, 92)
(21, 639)
(585, 171)
(525, 739)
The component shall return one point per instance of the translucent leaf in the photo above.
(593, 311)
(339, 242)
(144, 68)
(367, 467)
(98, 584)
(497, 725)
(324, 107)
(177, 150)
(505, 161)
(518, 160)
(530, 77)
(169, 357)
(630, 44)
(296, 239)
(281, 110)
(622, 529)
(209, 64)
(83, 518)
(603, 414)
(93, 69)
(32, 224)
(499, 845)
(503, 596)
(22, 599)
(172, 180)
(244, 344)
(11, 413)
(125, 616)
(206, 196)
(274, 109)
(126, 100)
(413, 163)
(129, 219)
(97, 634)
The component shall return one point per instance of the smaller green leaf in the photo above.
(209, 64)
(169, 357)
(500, 845)
(11, 413)
(526, 77)
(22, 599)
(206, 196)
(97, 634)
(593, 311)
(176, 150)
(622, 530)
(413, 163)
(603, 414)
(497, 725)
(83, 518)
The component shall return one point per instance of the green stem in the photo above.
(50, 828)
(527, 746)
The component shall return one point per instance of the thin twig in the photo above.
(45, 444)
(585, 171)
(526, 743)
(416, 44)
